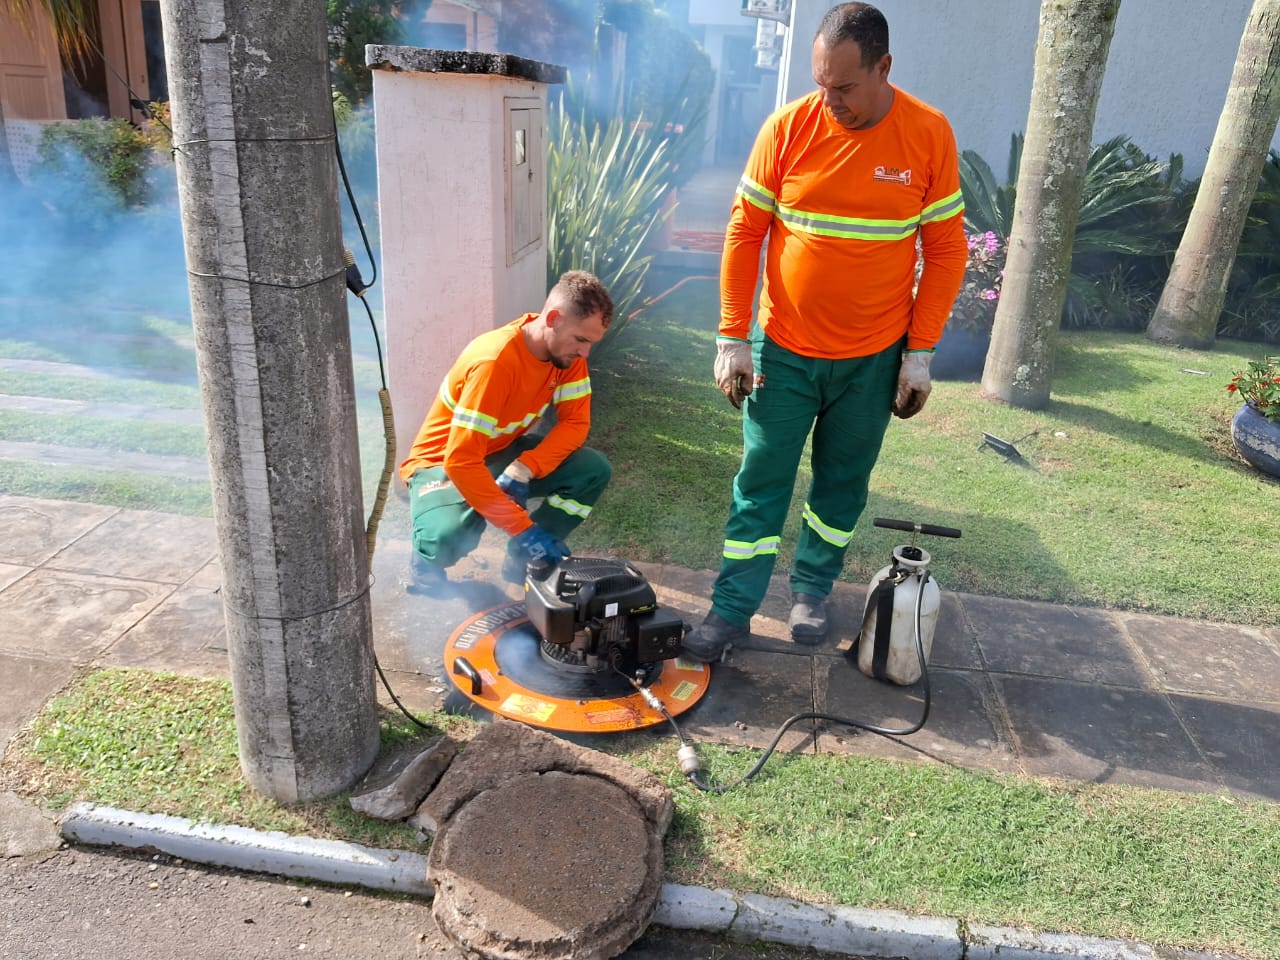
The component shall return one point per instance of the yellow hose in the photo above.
(388, 467)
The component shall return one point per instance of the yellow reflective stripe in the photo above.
(571, 507)
(854, 228)
(837, 538)
(572, 391)
(742, 550)
(482, 423)
(756, 195)
(944, 208)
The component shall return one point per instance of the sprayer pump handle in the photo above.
(910, 527)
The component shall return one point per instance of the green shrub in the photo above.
(354, 23)
(1132, 211)
(108, 157)
(605, 184)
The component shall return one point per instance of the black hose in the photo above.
(830, 718)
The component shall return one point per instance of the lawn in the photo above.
(1197, 871)
(1128, 493)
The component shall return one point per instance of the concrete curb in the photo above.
(330, 861)
(833, 929)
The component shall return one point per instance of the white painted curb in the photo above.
(330, 861)
(747, 917)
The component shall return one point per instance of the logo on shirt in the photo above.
(892, 175)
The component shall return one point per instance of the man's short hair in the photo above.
(860, 23)
(585, 293)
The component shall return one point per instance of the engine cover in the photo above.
(602, 612)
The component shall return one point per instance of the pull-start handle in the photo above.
(910, 527)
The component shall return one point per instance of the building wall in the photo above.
(30, 71)
(737, 108)
(1165, 84)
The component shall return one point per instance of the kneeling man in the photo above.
(475, 461)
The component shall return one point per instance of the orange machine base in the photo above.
(517, 681)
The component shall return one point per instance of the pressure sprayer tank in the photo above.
(897, 659)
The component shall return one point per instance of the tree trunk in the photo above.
(257, 181)
(1191, 301)
(1071, 55)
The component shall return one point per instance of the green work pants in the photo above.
(846, 404)
(446, 528)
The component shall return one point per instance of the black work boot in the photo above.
(712, 639)
(425, 578)
(808, 620)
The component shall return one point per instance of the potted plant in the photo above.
(1255, 428)
(962, 351)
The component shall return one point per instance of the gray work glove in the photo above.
(734, 370)
(914, 384)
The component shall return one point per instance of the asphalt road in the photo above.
(97, 904)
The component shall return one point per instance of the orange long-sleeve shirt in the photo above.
(491, 395)
(842, 210)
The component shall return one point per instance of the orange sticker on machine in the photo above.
(525, 706)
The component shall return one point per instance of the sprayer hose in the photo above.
(388, 468)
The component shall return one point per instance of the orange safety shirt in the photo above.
(842, 210)
(491, 395)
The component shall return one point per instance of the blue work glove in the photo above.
(514, 482)
(540, 546)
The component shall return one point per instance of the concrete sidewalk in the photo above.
(1032, 688)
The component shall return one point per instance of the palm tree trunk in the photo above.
(1071, 55)
(1191, 301)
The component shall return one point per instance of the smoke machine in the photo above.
(587, 651)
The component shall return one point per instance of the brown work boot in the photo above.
(808, 620)
(712, 639)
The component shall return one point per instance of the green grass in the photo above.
(1131, 495)
(1195, 871)
(167, 744)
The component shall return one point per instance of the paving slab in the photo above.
(12, 573)
(1214, 659)
(37, 529)
(1083, 731)
(1238, 739)
(1042, 640)
(750, 695)
(964, 727)
(185, 633)
(72, 616)
(29, 682)
(142, 545)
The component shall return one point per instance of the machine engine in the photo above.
(600, 614)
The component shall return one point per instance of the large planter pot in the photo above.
(1257, 439)
(960, 355)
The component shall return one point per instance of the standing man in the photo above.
(474, 459)
(844, 182)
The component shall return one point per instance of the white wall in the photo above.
(1166, 79)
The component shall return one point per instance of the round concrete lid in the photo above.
(545, 866)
